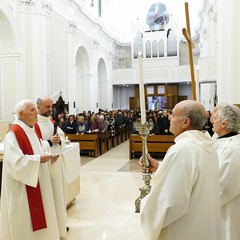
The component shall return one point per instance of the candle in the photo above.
(141, 89)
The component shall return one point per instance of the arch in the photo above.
(171, 43)
(83, 80)
(138, 44)
(148, 49)
(154, 49)
(161, 48)
(82, 62)
(135, 50)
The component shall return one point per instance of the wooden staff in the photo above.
(187, 35)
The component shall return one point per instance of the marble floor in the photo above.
(105, 208)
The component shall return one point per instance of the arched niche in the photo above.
(161, 48)
(148, 49)
(171, 43)
(154, 49)
(83, 80)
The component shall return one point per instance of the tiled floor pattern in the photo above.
(105, 208)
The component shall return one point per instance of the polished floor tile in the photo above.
(105, 208)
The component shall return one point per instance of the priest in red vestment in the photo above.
(27, 205)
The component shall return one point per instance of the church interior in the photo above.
(84, 54)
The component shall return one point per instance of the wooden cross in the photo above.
(187, 35)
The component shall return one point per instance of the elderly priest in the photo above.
(27, 206)
(184, 203)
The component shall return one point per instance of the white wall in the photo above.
(228, 62)
(207, 93)
(185, 89)
(121, 96)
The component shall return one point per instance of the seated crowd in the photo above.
(90, 122)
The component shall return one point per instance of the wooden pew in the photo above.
(103, 142)
(155, 144)
(128, 130)
(87, 142)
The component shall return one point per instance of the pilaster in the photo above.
(35, 29)
(228, 56)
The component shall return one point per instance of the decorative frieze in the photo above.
(28, 2)
(72, 26)
(38, 5)
(95, 43)
(46, 5)
(27, 5)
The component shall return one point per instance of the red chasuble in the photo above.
(34, 194)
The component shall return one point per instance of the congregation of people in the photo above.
(196, 187)
(90, 122)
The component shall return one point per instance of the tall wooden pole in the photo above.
(187, 35)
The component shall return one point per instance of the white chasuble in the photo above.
(57, 172)
(228, 150)
(184, 202)
(20, 170)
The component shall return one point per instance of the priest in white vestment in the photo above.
(22, 172)
(184, 202)
(56, 139)
(226, 123)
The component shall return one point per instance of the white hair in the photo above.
(230, 114)
(21, 106)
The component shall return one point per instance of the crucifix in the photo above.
(187, 35)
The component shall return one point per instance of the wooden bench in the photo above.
(87, 142)
(155, 144)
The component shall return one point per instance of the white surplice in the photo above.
(228, 150)
(20, 170)
(184, 202)
(58, 172)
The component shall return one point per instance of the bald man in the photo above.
(184, 201)
(55, 137)
(27, 204)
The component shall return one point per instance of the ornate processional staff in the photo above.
(187, 35)
(143, 129)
